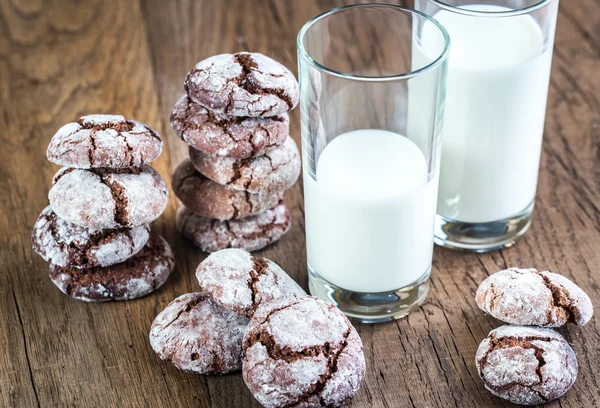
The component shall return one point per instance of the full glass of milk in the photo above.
(370, 179)
(498, 75)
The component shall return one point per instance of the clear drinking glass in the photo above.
(371, 107)
(498, 75)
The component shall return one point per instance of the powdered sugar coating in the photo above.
(526, 365)
(109, 198)
(302, 351)
(65, 244)
(212, 200)
(276, 171)
(243, 84)
(250, 233)
(104, 141)
(221, 135)
(241, 282)
(571, 297)
(138, 276)
(528, 297)
(199, 336)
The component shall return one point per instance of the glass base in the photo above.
(483, 236)
(371, 307)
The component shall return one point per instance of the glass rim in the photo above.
(478, 13)
(405, 75)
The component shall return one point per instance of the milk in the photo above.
(496, 94)
(370, 212)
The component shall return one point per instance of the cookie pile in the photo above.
(242, 158)
(526, 362)
(95, 233)
(293, 349)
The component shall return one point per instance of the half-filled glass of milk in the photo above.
(371, 121)
(497, 86)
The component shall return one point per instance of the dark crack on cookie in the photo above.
(100, 284)
(259, 268)
(130, 151)
(121, 212)
(560, 300)
(187, 116)
(236, 211)
(80, 253)
(154, 134)
(119, 126)
(245, 81)
(523, 343)
(276, 352)
(237, 170)
(63, 172)
(92, 149)
(188, 308)
(249, 200)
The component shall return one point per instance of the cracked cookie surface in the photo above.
(212, 200)
(526, 365)
(217, 134)
(250, 233)
(302, 352)
(241, 282)
(62, 243)
(138, 276)
(531, 298)
(104, 141)
(243, 84)
(275, 171)
(198, 335)
(109, 198)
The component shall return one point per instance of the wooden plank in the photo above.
(58, 62)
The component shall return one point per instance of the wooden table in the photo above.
(62, 60)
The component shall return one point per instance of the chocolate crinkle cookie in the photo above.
(276, 171)
(526, 365)
(531, 298)
(302, 352)
(198, 335)
(62, 243)
(222, 135)
(251, 233)
(243, 84)
(104, 141)
(109, 198)
(241, 282)
(138, 276)
(212, 200)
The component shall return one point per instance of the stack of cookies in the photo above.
(234, 118)
(526, 361)
(95, 234)
(292, 349)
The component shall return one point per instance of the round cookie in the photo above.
(241, 282)
(526, 365)
(276, 171)
(138, 276)
(531, 298)
(222, 135)
(62, 243)
(302, 352)
(212, 200)
(199, 336)
(109, 198)
(104, 141)
(243, 84)
(250, 233)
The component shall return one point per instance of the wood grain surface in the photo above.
(63, 59)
